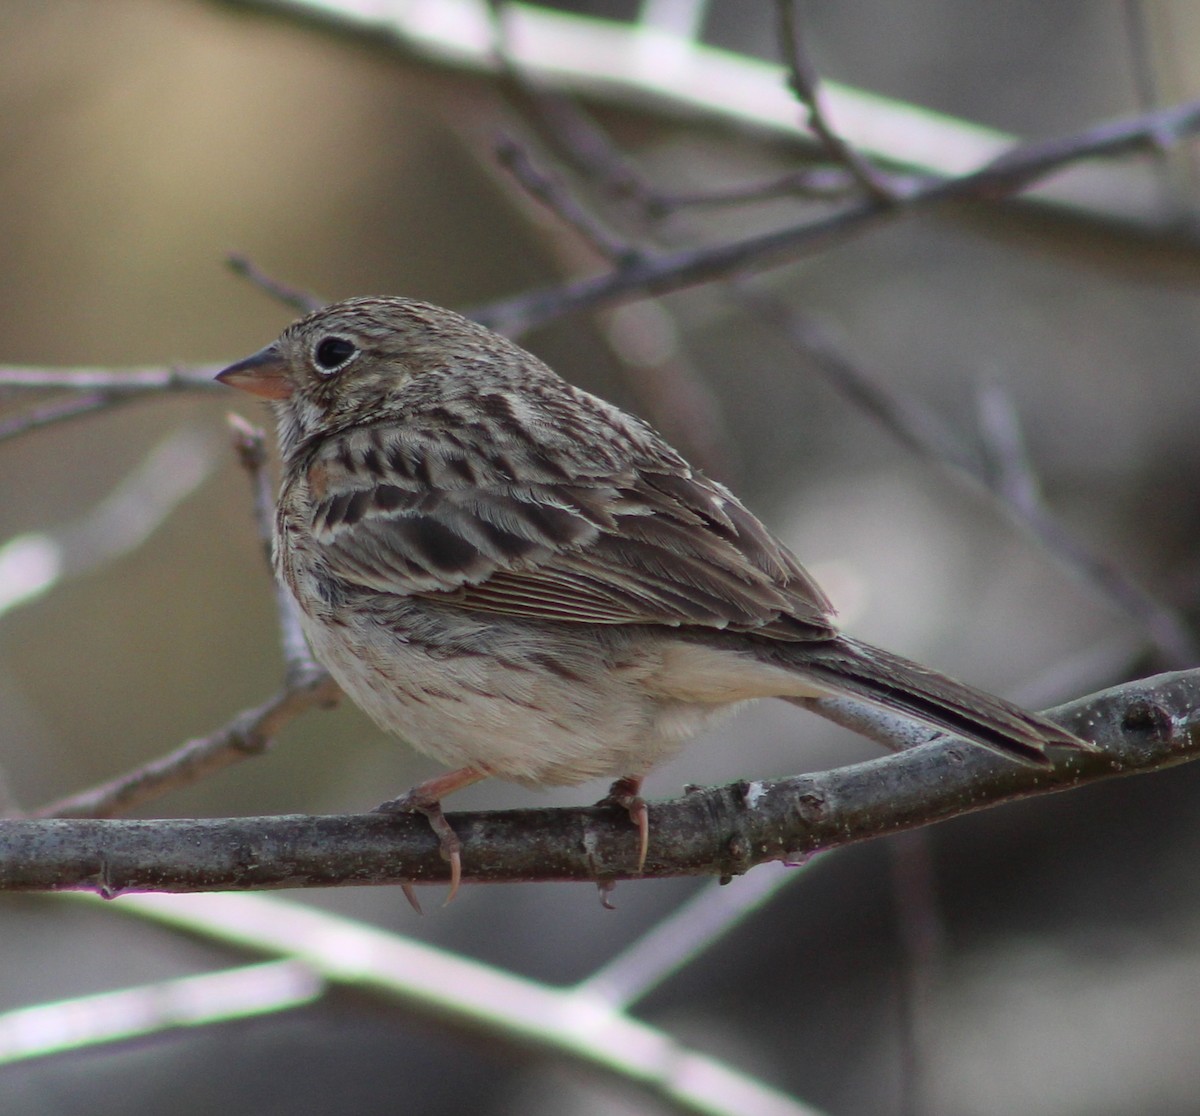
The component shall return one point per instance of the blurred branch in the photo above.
(250, 733)
(33, 563)
(804, 82)
(1006, 476)
(570, 1023)
(303, 302)
(58, 410)
(642, 335)
(1012, 172)
(55, 1028)
(679, 938)
(1138, 727)
(249, 442)
(548, 190)
(114, 381)
(675, 75)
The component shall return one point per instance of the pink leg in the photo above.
(425, 798)
(625, 792)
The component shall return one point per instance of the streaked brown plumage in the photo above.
(523, 581)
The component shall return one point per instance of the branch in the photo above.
(250, 733)
(668, 75)
(1138, 727)
(572, 1023)
(1012, 172)
(114, 381)
(301, 301)
(1005, 476)
(804, 82)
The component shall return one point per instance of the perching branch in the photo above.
(1137, 727)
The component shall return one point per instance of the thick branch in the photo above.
(1140, 726)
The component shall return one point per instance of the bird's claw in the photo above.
(625, 794)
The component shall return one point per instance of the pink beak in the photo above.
(264, 374)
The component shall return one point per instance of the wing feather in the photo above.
(646, 542)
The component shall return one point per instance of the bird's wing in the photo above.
(646, 542)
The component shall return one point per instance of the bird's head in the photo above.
(353, 362)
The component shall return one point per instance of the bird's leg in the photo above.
(425, 798)
(626, 793)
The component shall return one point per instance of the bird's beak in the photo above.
(264, 374)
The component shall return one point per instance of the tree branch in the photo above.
(1010, 173)
(1138, 727)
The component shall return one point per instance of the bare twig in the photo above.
(465, 993)
(249, 734)
(59, 410)
(668, 389)
(679, 938)
(1012, 172)
(1009, 472)
(921, 431)
(304, 302)
(1138, 727)
(252, 731)
(821, 183)
(112, 381)
(250, 445)
(548, 190)
(68, 1025)
(804, 82)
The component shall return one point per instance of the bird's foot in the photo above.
(625, 793)
(425, 798)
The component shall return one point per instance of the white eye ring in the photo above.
(332, 354)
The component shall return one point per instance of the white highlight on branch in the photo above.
(34, 1032)
(33, 563)
(644, 65)
(29, 565)
(559, 1021)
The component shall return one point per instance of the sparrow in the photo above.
(527, 583)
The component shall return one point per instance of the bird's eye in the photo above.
(333, 352)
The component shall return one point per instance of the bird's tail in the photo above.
(898, 685)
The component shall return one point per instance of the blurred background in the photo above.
(146, 140)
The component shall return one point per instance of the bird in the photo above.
(525, 582)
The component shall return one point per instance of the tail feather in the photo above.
(899, 685)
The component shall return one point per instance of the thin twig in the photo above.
(249, 443)
(1012, 172)
(669, 391)
(804, 82)
(920, 430)
(548, 190)
(820, 183)
(686, 932)
(154, 379)
(250, 733)
(302, 301)
(60, 410)
(1009, 472)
